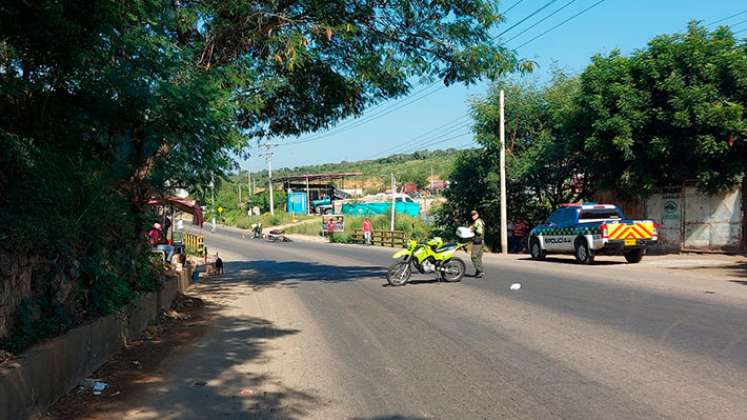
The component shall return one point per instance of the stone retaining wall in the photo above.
(49, 370)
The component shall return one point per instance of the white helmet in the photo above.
(465, 232)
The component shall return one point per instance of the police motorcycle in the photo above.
(431, 256)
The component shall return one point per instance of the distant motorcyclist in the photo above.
(478, 227)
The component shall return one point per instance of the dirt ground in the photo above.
(135, 365)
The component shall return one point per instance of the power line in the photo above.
(541, 20)
(562, 23)
(727, 18)
(427, 135)
(552, 29)
(445, 140)
(382, 113)
(512, 6)
(548, 4)
(410, 146)
(365, 120)
(412, 99)
(738, 23)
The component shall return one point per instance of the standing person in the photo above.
(478, 227)
(367, 231)
(330, 228)
(518, 233)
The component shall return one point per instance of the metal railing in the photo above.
(194, 244)
(390, 238)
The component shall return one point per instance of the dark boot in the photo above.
(479, 274)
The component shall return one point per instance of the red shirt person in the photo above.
(331, 226)
(155, 234)
(367, 230)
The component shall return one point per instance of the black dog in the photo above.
(219, 266)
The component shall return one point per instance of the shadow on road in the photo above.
(395, 417)
(204, 378)
(261, 274)
(571, 260)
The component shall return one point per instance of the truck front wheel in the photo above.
(634, 256)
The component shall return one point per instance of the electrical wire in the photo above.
(561, 23)
(365, 120)
(422, 135)
(412, 99)
(420, 145)
(540, 21)
(727, 18)
(531, 15)
(425, 142)
(512, 6)
(732, 25)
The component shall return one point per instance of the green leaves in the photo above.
(668, 113)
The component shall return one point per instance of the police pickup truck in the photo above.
(589, 229)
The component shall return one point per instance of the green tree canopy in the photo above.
(671, 112)
(105, 103)
(543, 167)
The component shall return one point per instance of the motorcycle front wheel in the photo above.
(399, 273)
(453, 270)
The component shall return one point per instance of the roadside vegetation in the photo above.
(103, 107)
(671, 112)
(413, 227)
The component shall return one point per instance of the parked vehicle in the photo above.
(590, 229)
(432, 256)
(325, 205)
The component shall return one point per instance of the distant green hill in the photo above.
(412, 167)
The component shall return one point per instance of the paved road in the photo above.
(307, 330)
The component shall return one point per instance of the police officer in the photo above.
(478, 227)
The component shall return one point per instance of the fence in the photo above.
(194, 244)
(690, 220)
(390, 238)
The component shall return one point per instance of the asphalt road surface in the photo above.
(308, 330)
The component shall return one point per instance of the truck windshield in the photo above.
(596, 214)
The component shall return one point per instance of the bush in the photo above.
(341, 238)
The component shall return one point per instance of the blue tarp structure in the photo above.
(297, 203)
(373, 209)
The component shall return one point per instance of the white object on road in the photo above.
(515, 286)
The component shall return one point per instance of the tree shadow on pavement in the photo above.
(572, 260)
(260, 274)
(395, 417)
(216, 376)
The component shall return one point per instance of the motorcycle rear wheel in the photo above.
(453, 270)
(399, 273)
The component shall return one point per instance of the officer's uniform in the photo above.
(477, 243)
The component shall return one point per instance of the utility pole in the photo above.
(393, 203)
(504, 234)
(239, 190)
(249, 183)
(268, 157)
(212, 193)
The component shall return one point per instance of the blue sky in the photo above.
(623, 24)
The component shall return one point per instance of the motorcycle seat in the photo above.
(446, 246)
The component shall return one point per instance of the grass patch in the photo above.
(413, 227)
(280, 218)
